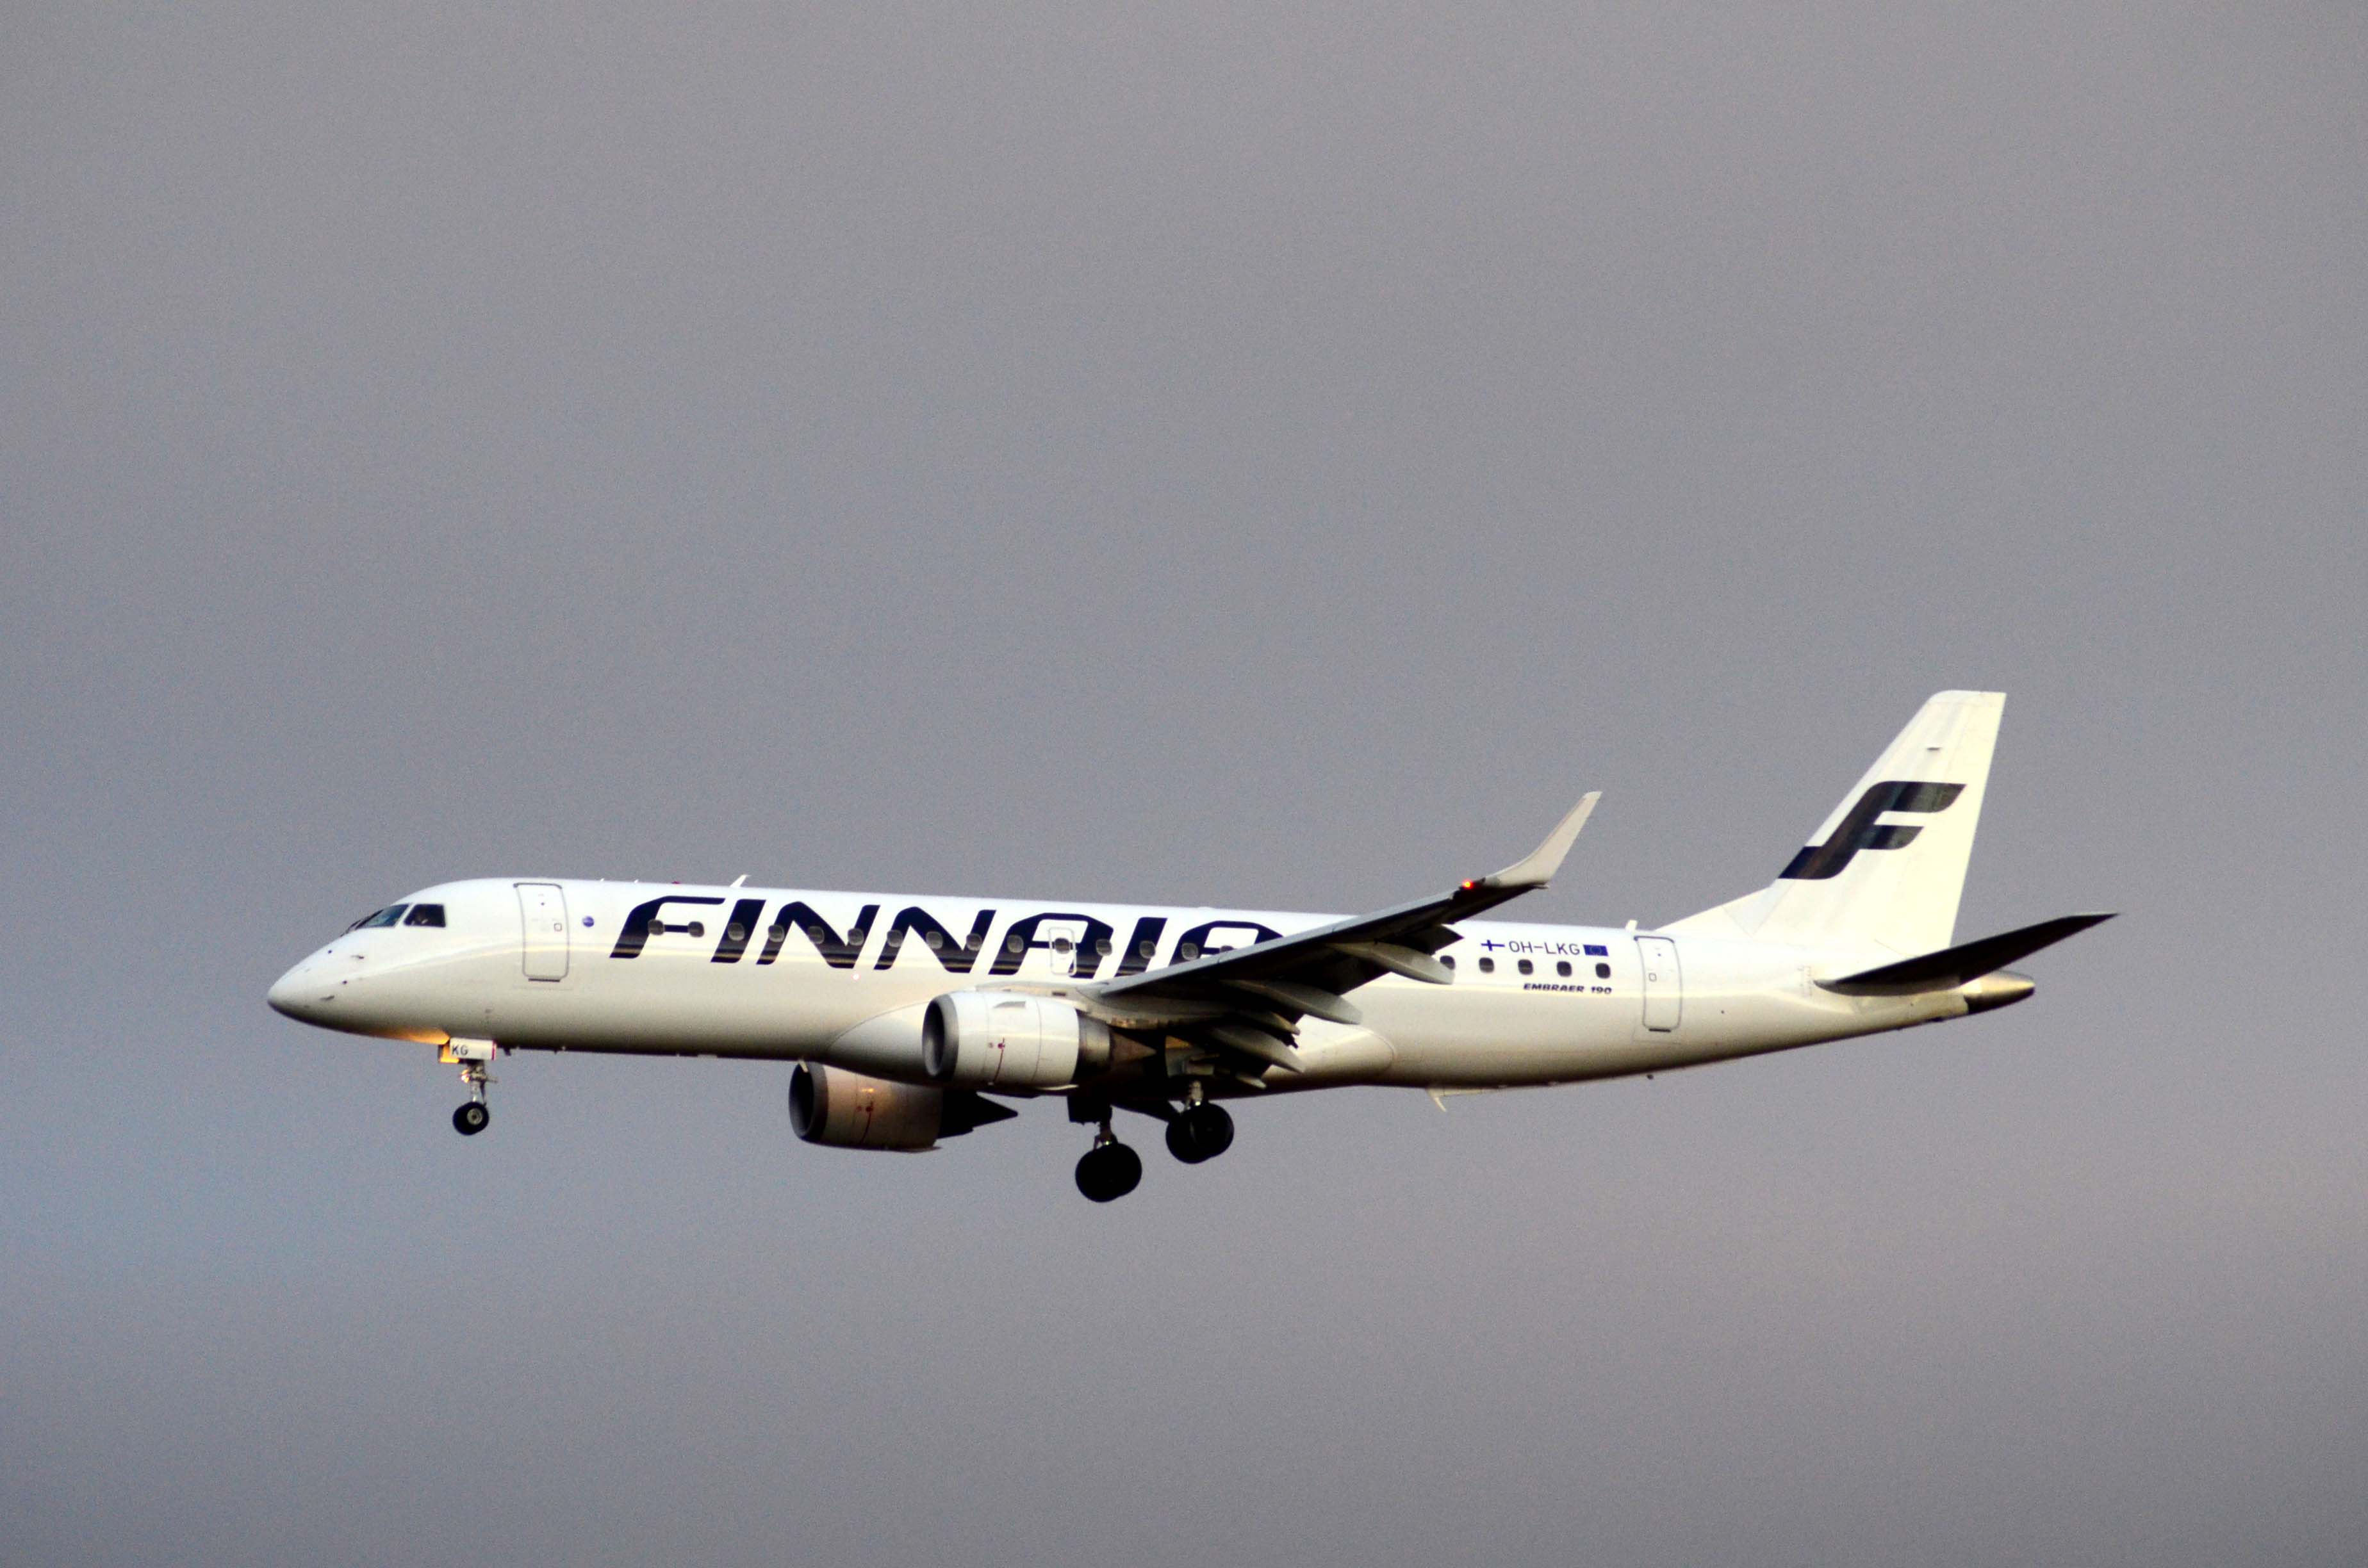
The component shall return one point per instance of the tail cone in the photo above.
(2003, 988)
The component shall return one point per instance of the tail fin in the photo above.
(1889, 864)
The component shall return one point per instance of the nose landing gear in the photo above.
(474, 1057)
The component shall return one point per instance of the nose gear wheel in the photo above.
(473, 1115)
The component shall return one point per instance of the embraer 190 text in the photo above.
(915, 1019)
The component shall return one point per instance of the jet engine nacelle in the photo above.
(841, 1109)
(997, 1040)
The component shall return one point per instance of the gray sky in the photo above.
(1236, 454)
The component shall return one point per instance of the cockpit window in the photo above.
(424, 914)
(387, 917)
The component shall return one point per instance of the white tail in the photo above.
(1889, 865)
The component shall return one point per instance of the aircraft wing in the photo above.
(1250, 999)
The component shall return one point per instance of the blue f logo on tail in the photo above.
(1858, 830)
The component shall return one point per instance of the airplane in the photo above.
(913, 1020)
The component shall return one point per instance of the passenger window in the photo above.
(1487, 966)
(1525, 966)
(1449, 960)
(1563, 968)
(1603, 971)
(424, 914)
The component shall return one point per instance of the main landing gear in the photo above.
(1200, 1130)
(474, 1057)
(1109, 1169)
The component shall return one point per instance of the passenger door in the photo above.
(543, 930)
(1665, 993)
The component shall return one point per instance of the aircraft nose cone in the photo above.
(294, 995)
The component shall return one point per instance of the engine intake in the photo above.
(1000, 1040)
(841, 1109)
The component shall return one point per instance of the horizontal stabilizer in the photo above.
(1951, 967)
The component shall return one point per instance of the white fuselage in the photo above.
(670, 969)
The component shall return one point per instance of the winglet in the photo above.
(1540, 865)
